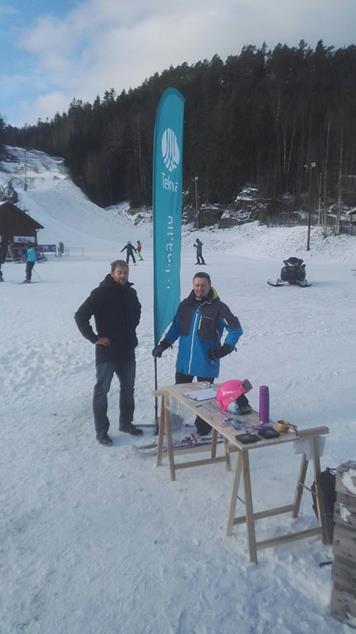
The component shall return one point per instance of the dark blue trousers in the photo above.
(125, 370)
(29, 267)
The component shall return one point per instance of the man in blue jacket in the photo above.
(117, 311)
(199, 324)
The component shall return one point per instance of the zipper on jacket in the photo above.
(192, 341)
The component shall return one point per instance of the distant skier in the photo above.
(31, 259)
(3, 253)
(198, 244)
(60, 248)
(130, 249)
(139, 249)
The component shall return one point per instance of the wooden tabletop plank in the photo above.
(226, 429)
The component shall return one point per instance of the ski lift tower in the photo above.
(25, 170)
(196, 178)
(310, 168)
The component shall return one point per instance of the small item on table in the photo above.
(264, 404)
(237, 423)
(284, 426)
(247, 439)
(268, 432)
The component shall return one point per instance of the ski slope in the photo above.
(98, 540)
(60, 207)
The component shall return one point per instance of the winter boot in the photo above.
(129, 428)
(105, 440)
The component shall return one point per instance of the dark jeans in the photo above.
(29, 267)
(125, 370)
(130, 255)
(202, 426)
(200, 259)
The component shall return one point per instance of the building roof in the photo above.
(18, 211)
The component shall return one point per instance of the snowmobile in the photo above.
(293, 273)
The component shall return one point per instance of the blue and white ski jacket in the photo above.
(199, 326)
(31, 255)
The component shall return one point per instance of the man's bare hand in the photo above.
(103, 341)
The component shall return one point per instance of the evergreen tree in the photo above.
(258, 117)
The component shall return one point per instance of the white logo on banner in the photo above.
(170, 150)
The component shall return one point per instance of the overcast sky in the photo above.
(54, 50)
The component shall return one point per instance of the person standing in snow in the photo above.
(117, 311)
(199, 324)
(139, 249)
(199, 249)
(31, 259)
(130, 249)
(3, 254)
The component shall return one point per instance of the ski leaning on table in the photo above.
(188, 442)
(279, 282)
(21, 283)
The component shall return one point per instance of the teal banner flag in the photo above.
(167, 207)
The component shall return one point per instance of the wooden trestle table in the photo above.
(242, 468)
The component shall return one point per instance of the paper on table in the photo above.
(201, 395)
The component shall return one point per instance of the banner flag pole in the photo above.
(167, 212)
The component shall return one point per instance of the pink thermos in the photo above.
(264, 404)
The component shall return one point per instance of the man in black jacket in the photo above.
(130, 250)
(199, 248)
(117, 312)
(3, 253)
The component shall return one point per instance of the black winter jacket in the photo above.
(117, 313)
(3, 253)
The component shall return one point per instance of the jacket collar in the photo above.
(109, 282)
(212, 297)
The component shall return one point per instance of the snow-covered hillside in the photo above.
(98, 540)
(55, 202)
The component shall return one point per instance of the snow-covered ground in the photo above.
(98, 540)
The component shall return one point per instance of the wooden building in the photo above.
(17, 228)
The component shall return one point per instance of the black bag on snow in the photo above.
(328, 497)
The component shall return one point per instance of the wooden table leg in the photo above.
(314, 443)
(170, 449)
(227, 455)
(300, 485)
(250, 523)
(161, 431)
(214, 436)
(234, 492)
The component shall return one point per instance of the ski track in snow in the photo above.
(99, 540)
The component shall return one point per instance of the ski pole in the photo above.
(34, 270)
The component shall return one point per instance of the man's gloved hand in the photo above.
(160, 348)
(157, 351)
(219, 353)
